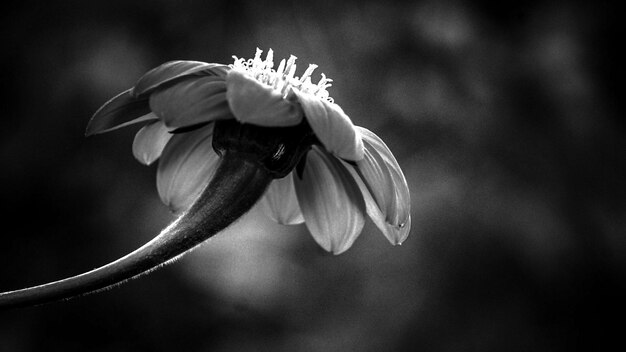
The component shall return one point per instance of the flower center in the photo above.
(282, 79)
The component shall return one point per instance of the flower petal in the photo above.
(402, 203)
(191, 101)
(331, 202)
(186, 167)
(384, 188)
(280, 203)
(120, 111)
(331, 126)
(171, 71)
(150, 141)
(254, 102)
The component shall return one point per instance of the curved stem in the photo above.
(237, 185)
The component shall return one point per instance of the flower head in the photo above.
(347, 173)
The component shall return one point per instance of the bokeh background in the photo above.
(506, 120)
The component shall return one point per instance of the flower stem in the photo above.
(236, 186)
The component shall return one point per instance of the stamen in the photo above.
(308, 87)
(291, 68)
(291, 62)
(281, 67)
(283, 79)
(324, 82)
(257, 58)
(269, 59)
(308, 72)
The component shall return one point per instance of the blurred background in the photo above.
(506, 120)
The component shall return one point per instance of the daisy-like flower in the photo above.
(227, 136)
(347, 173)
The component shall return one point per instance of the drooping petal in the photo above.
(395, 231)
(331, 126)
(172, 71)
(256, 103)
(330, 200)
(150, 141)
(122, 110)
(401, 207)
(191, 101)
(280, 203)
(384, 188)
(186, 166)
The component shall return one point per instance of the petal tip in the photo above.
(94, 128)
(338, 251)
(402, 232)
(145, 159)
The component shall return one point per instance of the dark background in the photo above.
(506, 120)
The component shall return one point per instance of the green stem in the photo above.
(237, 185)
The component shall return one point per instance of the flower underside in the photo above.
(276, 149)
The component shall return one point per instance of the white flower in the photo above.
(348, 174)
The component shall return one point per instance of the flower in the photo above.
(349, 173)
